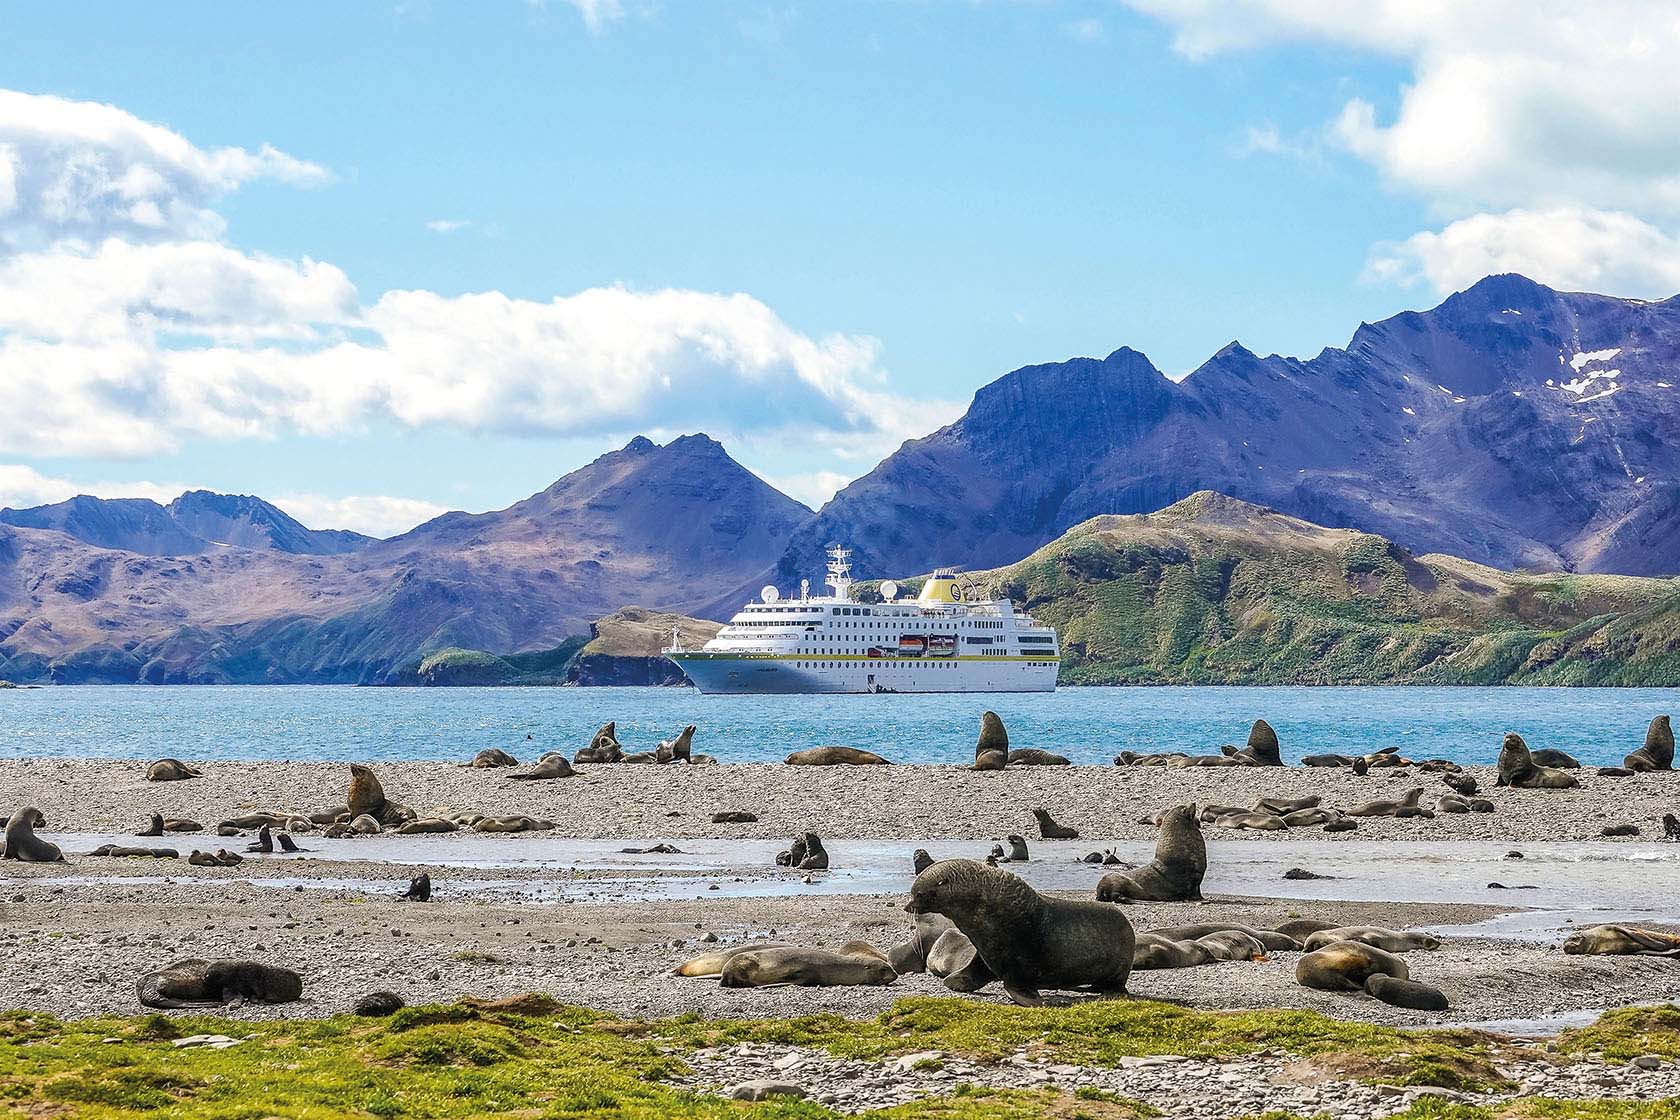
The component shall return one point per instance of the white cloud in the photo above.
(448, 225)
(1526, 114)
(22, 486)
(813, 488)
(596, 14)
(80, 169)
(1569, 248)
(1085, 30)
(376, 516)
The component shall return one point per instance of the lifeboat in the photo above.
(942, 645)
(912, 645)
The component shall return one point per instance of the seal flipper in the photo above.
(1026, 997)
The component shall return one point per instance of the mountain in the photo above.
(1512, 425)
(1212, 590)
(626, 647)
(197, 521)
(661, 525)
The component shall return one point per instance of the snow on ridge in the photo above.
(1588, 356)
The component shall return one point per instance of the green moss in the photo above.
(1628, 1032)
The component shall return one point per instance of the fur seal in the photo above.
(1622, 941)
(287, 844)
(1559, 760)
(1232, 945)
(711, 963)
(1390, 808)
(1262, 748)
(1405, 993)
(1341, 824)
(1518, 769)
(677, 749)
(160, 824)
(991, 750)
(834, 756)
(1619, 830)
(1452, 803)
(1344, 966)
(491, 758)
(221, 857)
(911, 956)
(1302, 928)
(1658, 751)
(1285, 806)
(920, 860)
(1032, 756)
(1050, 830)
(1671, 827)
(23, 844)
(419, 888)
(1327, 760)
(955, 963)
(425, 825)
(367, 798)
(1254, 819)
(1027, 940)
(1175, 875)
(265, 841)
(1017, 848)
(1152, 951)
(201, 983)
(1271, 939)
(123, 850)
(170, 770)
(513, 822)
(734, 816)
(1306, 818)
(603, 746)
(378, 1005)
(816, 856)
(810, 968)
(1388, 940)
(551, 765)
(1462, 784)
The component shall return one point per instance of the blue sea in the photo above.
(1089, 725)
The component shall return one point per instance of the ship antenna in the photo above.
(840, 572)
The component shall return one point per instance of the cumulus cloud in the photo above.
(374, 515)
(80, 169)
(1570, 248)
(813, 488)
(1517, 115)
(22, 486)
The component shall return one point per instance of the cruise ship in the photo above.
(947, 639)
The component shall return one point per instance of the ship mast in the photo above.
(840, 572)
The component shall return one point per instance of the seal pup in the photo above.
(21, 841)
(911, 956)
(1671, 827)
(1032, 756)
(1152, 951)
(920, 860)
(551, 765)
(125, 851)
(201, 983)
(1175, 875)
(378, 1005)
(1341, 824)
(676, 749)
(491, 758)
(419, 888)
(1621, 941)
(1405, 993)
(1344, 966)
(1029, 941)
(834, 756)
(603, 746)
(794, 854)
(1262, 748)
(1017, 848)
(1050, 830)
(954, 963)
(1392, 941)
(1518, 769)
(734, 816)
(1658, 751)
(1461, 784)
(991, 750)
(1559, 760)
(265, 842)
(1269, 939)
(171, 770)
(808, 968)
(1410, 803)
(815, 857)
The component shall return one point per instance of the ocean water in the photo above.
(1089, 725)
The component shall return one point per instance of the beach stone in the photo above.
(211, 1041)
(1646, 1061)
(763, 1089)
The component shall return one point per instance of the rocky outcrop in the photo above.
(628, 646)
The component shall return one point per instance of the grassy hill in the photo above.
(1213, 590)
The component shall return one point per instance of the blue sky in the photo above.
(906, 198)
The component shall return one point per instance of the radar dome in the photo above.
(769, 593)
(889, 590)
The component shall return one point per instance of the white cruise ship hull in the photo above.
(724, 673)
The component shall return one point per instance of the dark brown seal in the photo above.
(1405, 993)
(835, 756)
(1050, 830)
(1518, 769)
(491, 758)
(170, 770)
(551, 765)
(1032, 756)
(604, 746)
(1175, 875)
(1262, 748)
(200, 983)
(1031, 942)
(991, 750)
(1345, 966)
(1658, 751)
(23, 844)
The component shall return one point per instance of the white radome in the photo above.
(889, 590)
(769, 594)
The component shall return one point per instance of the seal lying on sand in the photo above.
(1262, 748)
(1302, 928)
(991, 750)
(811, 968)
(1175, 875)
(1621, 941)
(1518, 769)
(1032, 756)
(834, 756)
(1027, 940)
(1658, 751)
(23, 844)
(711, 963)
(170, 770)
(491, 758)
(1050, 830)
(603, 747)
(125, 851)
(551, 765)
(1272, 939)
(1253, 819)
(1345, 965)
(1232, 945)
(1407, 804)
(1405, 993)
(200, 983)
(1389, 940)
(1559, 760)
(1152, 951)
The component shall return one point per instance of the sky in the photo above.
(374, 261)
